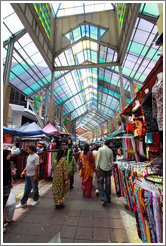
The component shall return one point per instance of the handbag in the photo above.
(10, 206)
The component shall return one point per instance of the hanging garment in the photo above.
(150, 121)
(149, 214)
(157, 217)
(116, 179)
(157, 103)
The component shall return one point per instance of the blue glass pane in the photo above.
(87, 30)
(102, 31)
(77, 34)
(94, 32)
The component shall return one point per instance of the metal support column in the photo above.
(46, 106)
(75, 129)
(115, 121)
(8, 62)
(52, 86)
(61, 125)
(123, 99)
(51, 109)
(6, 76)
(132, 93)
(69, 123)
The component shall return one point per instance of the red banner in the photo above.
(93, 134)
(108, 127)
(7, 138)
(113, 126)
(102, 131)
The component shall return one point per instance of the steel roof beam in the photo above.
(15, 37)
(90, 65)
(84, 39)
(107, 107)
(109, 94)
(101, 114)
(151, 19)
(81, 115)
(49, 83)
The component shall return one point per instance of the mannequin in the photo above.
(157, 103)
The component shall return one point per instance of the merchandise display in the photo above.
(83, 98)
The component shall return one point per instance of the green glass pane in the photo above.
(20, 68)
(77, 33)
(57, 74)
(126, 71)
(151, 8)
(136, 48)
(142, 5)
(63, 86)
(142, 78)
(68, 36)
(151, 53)
(101, 60)
(156, 57)
(27, 91)
(35, 86)
(102, 31)
(144, 51)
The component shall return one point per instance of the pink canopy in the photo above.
(51, 129)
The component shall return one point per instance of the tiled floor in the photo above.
(81, 221)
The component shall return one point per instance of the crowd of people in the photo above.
(93, 162)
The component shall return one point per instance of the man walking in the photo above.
(31, 177)
(104, 168)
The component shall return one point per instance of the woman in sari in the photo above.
(86, 167)
(60, 184)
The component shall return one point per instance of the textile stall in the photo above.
(139, 175)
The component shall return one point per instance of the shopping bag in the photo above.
(10, 206)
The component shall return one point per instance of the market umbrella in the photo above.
(9, 131)
(51, 129)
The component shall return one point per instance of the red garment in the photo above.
(87, 186)
(76, 154)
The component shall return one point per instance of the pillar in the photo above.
(132, 93)
(46, 106)
(123, 99)
(115, 121)
(160, 20)
(75, 129)
(69, 123)
(6, 76)
(51, 104)
(61, 123)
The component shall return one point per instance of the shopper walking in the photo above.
(86, 167)
(60, 184)
(72, 166)
(76, 154)
(7, 178)
(31, 177)
(95, 154)
(104, 168)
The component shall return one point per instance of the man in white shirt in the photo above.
(104, 168)
(31, 177)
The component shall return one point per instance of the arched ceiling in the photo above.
(90, 94)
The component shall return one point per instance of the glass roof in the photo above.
(78, 7)
(94, 93)
(81, 31)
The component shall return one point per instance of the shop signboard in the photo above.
(102, 131)
(66, 122)
(7, 138)
(108, 127)
(38, 103)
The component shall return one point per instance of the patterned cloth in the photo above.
(157, 103)
(60, 175)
